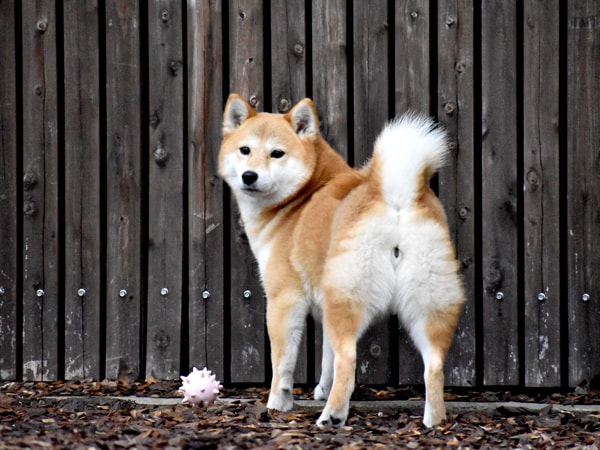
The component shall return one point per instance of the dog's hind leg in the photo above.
(285, 323)
(343, 320)
(326, 380)
(432, 335)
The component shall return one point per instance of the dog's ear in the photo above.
(303, 118)
(237, 110)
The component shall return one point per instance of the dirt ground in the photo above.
(89, 414)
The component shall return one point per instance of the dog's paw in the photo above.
(329, 419)
(321, 393)
(433, 417)
(281, 400)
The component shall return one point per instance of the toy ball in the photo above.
(199, 386)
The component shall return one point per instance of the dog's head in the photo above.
(266, 158)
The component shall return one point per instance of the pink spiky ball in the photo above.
(200, 386)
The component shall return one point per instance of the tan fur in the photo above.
(308, 243)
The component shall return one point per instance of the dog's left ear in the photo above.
(303, 118)
(237, 110)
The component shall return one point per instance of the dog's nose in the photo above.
(249, 177)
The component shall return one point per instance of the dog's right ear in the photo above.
(237, 110)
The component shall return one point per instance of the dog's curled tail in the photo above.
(408, 151)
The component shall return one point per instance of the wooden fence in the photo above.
(121, 250)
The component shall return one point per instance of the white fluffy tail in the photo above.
(410, 149)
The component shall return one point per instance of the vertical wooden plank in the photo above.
(330, 91)
(541, 193)
(456, 181)
(583, 189)
(411, 53)
(205, 201)
(288, 53)
(499, 191)
(248, 337)
(370, 101)
(123, 190)
(8, 194)
(40, 192)
(288, 79)
(165, 190)
(82, 191)
(411, 80)
(330, 71)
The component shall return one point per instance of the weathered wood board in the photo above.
(583, 190)
(123, 196)
(164, 156)
(456, 181)
(206, 223)
(541, 193)
(500, 186)
(83, 293)
(9, 201)
(40, 193)
(249, 343)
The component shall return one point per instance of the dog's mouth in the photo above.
(251, 190)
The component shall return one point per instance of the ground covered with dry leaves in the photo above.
(88, 414)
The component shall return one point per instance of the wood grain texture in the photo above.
(411, 55)
(205, 190)
(40, 193)
(330, 91)
(82, 191)
(9, 185)
(123, 189)
(249, 356)
(456, 181)
(330, 71)
(411, 92)
(370, 94)
(541, 180)
(500, 185)
(166, 72)
(583, 189)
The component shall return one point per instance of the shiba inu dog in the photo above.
(342, 244)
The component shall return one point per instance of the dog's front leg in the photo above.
(285, 323)
(326, 380)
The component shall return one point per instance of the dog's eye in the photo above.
(245, 150)
(277, 154)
